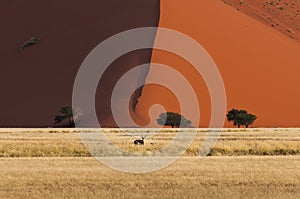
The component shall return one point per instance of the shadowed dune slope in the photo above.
(36, 82)
(259, 65)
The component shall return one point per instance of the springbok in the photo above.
(139, 142)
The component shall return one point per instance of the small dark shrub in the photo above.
(30, 42)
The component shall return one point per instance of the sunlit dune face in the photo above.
(259, 66)
(156, 99)
(156, 94)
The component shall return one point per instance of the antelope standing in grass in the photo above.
(139, 142)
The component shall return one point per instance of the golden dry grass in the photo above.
(67, 143)
(31, 143)
(189, 177)
(48, 166)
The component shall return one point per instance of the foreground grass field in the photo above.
(189, 177)
(53, 163)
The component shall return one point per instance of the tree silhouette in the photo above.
(67, 114)
(173, 119)
(241, 118)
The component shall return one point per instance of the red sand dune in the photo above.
(260, 66)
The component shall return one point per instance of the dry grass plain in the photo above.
(52, 163)
(189, 177)
(67, 143)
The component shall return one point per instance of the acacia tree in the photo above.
(173, 119)
(67, 114)
(241, 118)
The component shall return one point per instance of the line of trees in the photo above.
(239, 118)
